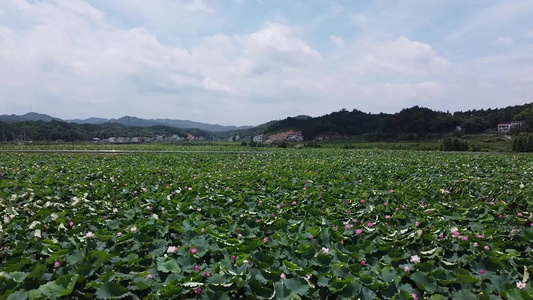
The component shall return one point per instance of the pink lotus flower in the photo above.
(197, 291)
(456, 233)
(397, 208)
(358, 231)
(197, 268)
(293, 202)
(303, 189)
(387, 217)
(480, 236)
(415, 259)
(282, 276)
(257, 221)
(193, 250)
(311, 237)
(521, 285)
(464, 238)
(362, 201)
(491, 202)
(406, 269)
(172, 249)
(265, 240)
(206, 274)
(481, 271)
(476, 244)
(89, 234)
(486, 248)
(119, 233)
(133, 229)
(403, 206)
(71, 224)
(519, 214)
(202, 230)
(441, 236)
(232, 257)
(414, 296)
(57, 264)
(260, 202)
(385, 204)
(347, 226)
(149, 276)
(363, 263)
(370, 224)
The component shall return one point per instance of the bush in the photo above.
(283, 144)
(312, 144)
(454, 144)
(348, 146)
(523, 143)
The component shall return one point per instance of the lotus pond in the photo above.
(288, 224)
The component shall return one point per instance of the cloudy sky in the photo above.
(237, 62)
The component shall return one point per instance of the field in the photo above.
(284, 224)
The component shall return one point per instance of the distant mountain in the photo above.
(27, 117)
(134, 121)
(126, 120)
(89, 121)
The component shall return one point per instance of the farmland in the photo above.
(287, 224)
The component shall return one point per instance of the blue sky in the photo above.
(240, 62)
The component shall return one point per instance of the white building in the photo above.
(260, 138)
(506, 127)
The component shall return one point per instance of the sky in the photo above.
(246, 62)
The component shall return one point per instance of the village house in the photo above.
(260, 138)
(137, 139)
(506, 127)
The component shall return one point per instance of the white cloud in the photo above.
(198, 6)
(492, 17)
(402, 56)
(337, 8)
(69, 56)
(359, 19)
(278, 37)
(505, 41)
(338, 41)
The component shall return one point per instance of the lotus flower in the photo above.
(415, 259)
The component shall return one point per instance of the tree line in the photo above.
(57, 130)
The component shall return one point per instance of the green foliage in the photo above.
(312, 144)
(523, 143)
(454, 144)
(281, 224)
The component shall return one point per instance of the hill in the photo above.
(415, 123)
(134, 121)
(126, 120)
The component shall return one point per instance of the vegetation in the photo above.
(71, 132)
(523, 143)
(454, 144)
(411, 124)
(285, 224)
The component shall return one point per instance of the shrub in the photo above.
(312, 144)
(523, 143)
(454, 144)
